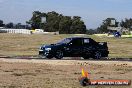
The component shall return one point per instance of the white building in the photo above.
(19, 31)
(26, 31)
(118, 29)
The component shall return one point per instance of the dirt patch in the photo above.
(59, 73)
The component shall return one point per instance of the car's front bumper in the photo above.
(105, 54)
(45, 53)
(41, 52)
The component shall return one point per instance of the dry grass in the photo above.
(20, 44)
(60, 73)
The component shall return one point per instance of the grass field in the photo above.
(26, 73)
(23, 73)
(20, 44)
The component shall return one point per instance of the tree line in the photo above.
(13, 25)
(53, 21)
(57, 22)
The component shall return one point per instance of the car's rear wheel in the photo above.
(59, 54)
(97, 55)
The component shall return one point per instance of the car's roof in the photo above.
(78, 37)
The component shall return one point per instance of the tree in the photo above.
(35, 20)
(18, 26)
(1, 23)
(9, 25)
(127, 23)
(53, 20)
(77, 26)
(57, 22)
(91, 31)
(65, 24)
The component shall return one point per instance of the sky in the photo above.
(93, 12)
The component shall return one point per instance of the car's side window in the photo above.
(77, 42)
(92, 42)
(86, 41)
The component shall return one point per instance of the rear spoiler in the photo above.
(103, 44)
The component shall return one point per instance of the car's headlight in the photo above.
(47, 49)
(40, 47)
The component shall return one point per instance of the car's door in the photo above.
(75, 47)
(89, 45)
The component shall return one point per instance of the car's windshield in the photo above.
(67, 40)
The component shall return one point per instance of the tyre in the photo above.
(97, 55)
(59, 54)
(41, 56)
(49, 57)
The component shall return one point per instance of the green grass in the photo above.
(21, 44)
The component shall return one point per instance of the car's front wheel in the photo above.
(49, 57)
(59, 54)
(97, 55)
